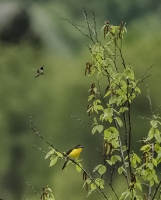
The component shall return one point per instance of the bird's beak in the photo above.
(81, 146)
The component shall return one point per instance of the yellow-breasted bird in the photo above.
(73, 154)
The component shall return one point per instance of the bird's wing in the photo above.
(69, 151)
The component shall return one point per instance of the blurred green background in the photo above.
(33, 34)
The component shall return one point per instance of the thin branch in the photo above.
(74, 24)
(122, 154)
(156, 109)
(113, 190)
(88, 24)
(155, 192)
(112, 172)
(95, 28)
(33, 189)
(129, 128)
(143, 118)
(150, 187)
(144, 76)
(126, 129)
(99, 89)
(75, 116)
(40, 149)
(115, 51)
(123, 61)
(150, 103)
(76, 27)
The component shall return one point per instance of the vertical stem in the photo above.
(126, 130)
(122, 155)
(115, 55)
(150, 189)
(156, 190)
(129, 136)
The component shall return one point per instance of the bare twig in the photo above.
(76, 26)
(156, 109)
(150, 103)
(123, 61)
(33, 189)
(88, 24)
(115, 52)
(122, 155)
(75, 116)
(129, 127)
(144, 76)
(143, 117)
(40, 149)
(113, 190)
(99, 89)
(95, 28)
(150, 188)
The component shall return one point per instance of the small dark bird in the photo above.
(39, 71)
(73, 154)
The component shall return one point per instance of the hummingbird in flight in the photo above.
(39, 71)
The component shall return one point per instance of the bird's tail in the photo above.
(65, 163)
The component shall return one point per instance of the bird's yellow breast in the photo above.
(75, 153)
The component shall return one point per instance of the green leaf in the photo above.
(150, 165)
(102, 169)
(137, 157)
(92, 96)
(97, 107)
(157, 136)
(150, 134)
(88, 181)
(107, 134)
(154, 162)
(107, 114)
(98, 128)
(124, 195)
(96, 168)
(114, 159)
(120, 170)
(146, 147)
(137, 90)
(129, 74)
(107, 93)
(153, 123)
(94, 129)
(114, 131)
(93, 186)
(117, 77)
(113, 99)
(155, 178)
(78, 167)
(60, 155)
(138, 185)
(50, 153)
(123, 109)
(118, 157)
(151, 182)
(119, 121)
(109, 162)
(53, 161)
(100, 182)
(157, 147)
